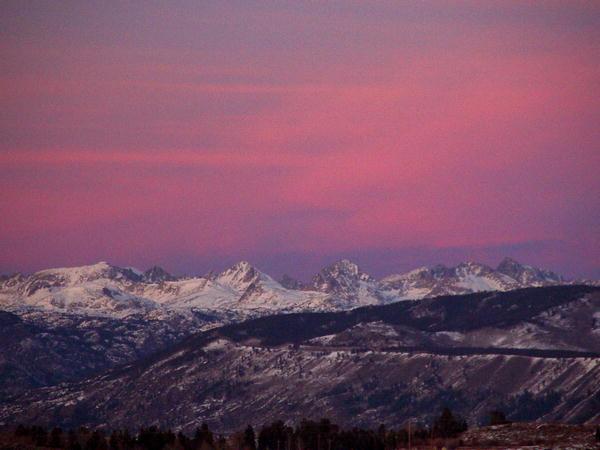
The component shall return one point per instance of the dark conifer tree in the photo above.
(73, 441)
(96, 442)
(114, 440)
(127, 441)
(274, 436)
(22, 430)
(40, 436)
(151, 438)
(249, 438)
(55, 438)
(447, 425)
(221, 442)
(498, 418)
(203, 435)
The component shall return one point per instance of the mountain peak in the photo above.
(73, 276)
(508, 262)
(241, 272)
(527, 275)
(242, 266)
(342, 275)
(344, 266)
(157, 274)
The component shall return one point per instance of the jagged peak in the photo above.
(508, 262)
(346, 263)
(157, 274)
(134, 270)
(342, 274)
(343, 266)
(241, 271)
(239, 267)
(525, 273)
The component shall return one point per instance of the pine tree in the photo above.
(249, 438)
(498, 418)
(40, 436)
(203, 435)
(73, 441)
(22, 430)
(113, 441)
(96, 442)
(447, 425)
(55, 438)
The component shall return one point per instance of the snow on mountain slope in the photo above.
(97, 290)
(528, 275)
(372, 365)
(156, 275)
(347, 285)
(241, 288)
(258, 291)
(104, 290)
(441, 280)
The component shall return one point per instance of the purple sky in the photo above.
(398, 134)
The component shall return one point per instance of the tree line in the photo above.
(307, 435)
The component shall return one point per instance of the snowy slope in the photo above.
(108, 291)
(241, 291)
(368, 366)
(528, 275)
(347, 286)
(465, 278)
(97, 290)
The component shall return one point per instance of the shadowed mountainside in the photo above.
(360, 367)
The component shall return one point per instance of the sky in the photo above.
(194, 134)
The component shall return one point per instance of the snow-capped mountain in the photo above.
(96, 290)
(476, 352)
(528, 275)
(157, 274)
(60, 325)
(241, 291)
(103, 290)
(347, 285)
(441, 280)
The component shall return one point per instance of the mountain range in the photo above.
(71, 336)
(534, 353)
(242, 291)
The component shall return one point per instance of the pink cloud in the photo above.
(349, 131)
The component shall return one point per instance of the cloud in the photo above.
(300, 128)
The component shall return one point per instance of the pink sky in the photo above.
(194, 134)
